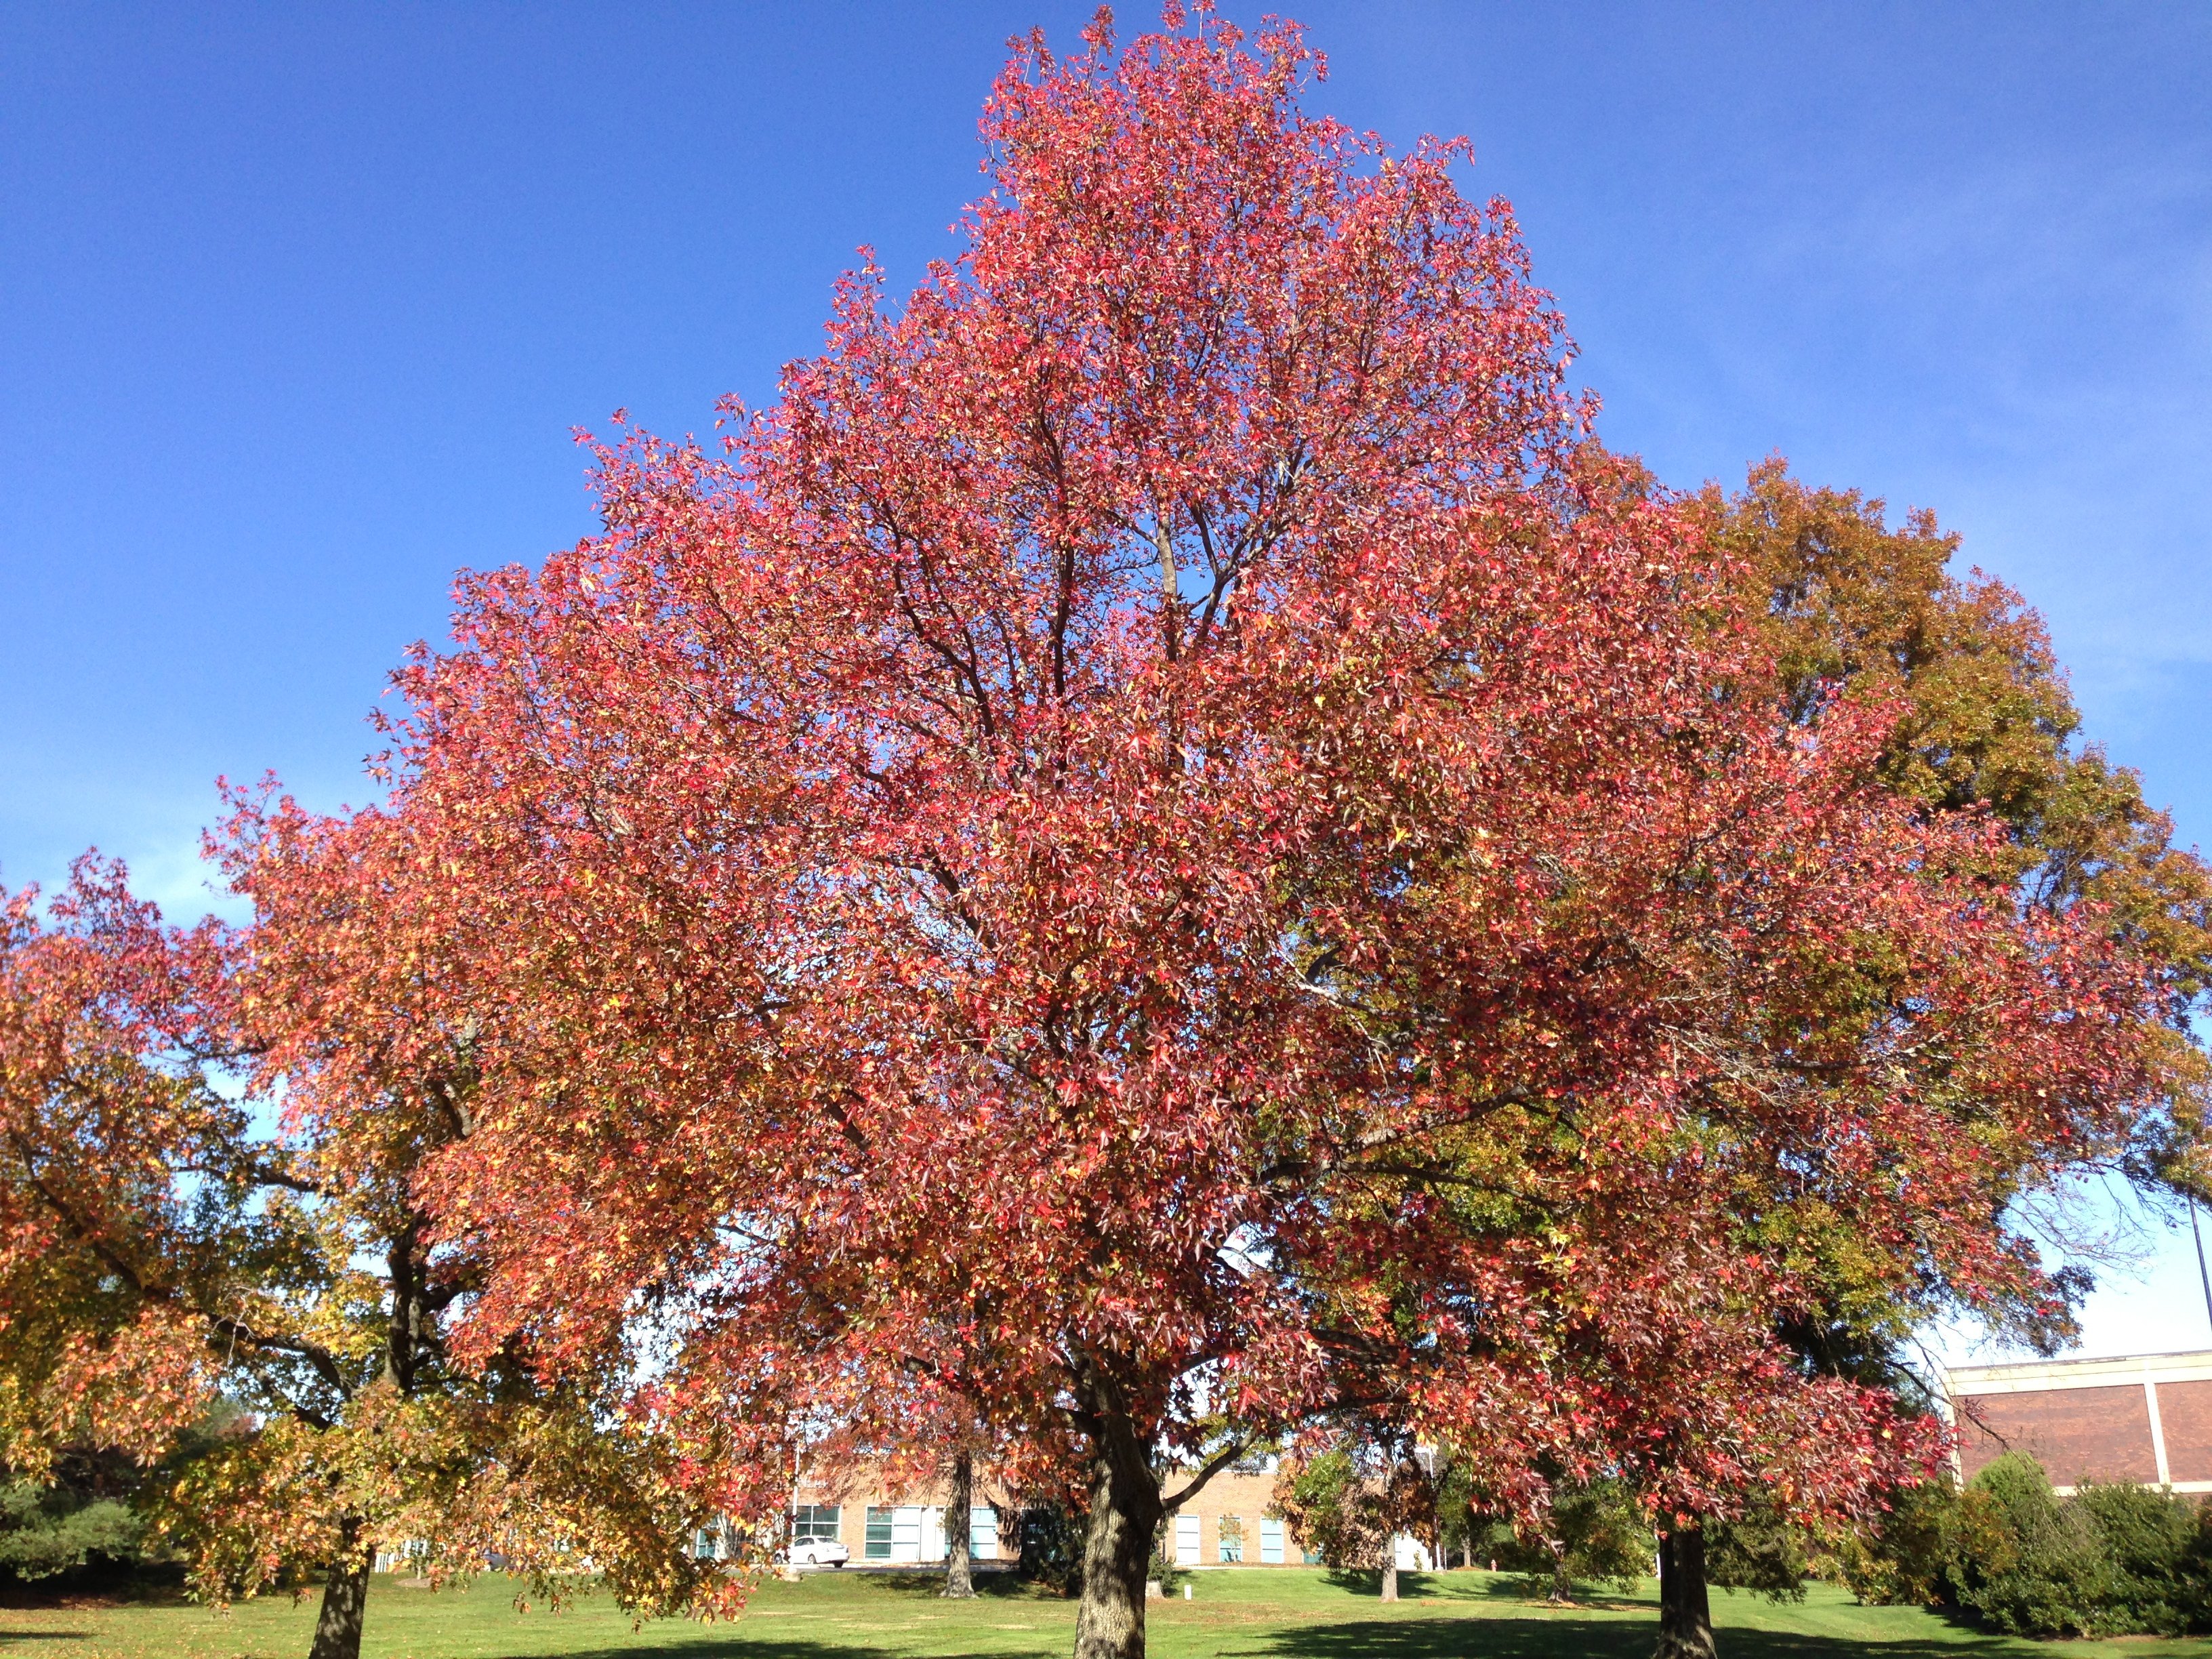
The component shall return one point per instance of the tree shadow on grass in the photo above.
(1525, 1592)
(929, 1585)
(1412, 1586)
(1487, 1588)
(732, 1645)
(764, 1640)
(1560, 1638)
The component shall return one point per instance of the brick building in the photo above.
(2148, 1419)
(1227, 1524)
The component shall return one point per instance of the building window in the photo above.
(813, 1523)
(983, 1532)
(907, 1526)
(1229, 1539)
(877, 1547)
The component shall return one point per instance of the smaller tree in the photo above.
(1351, 1502)
(1897, 1558)
(1232, 1534)
(1592, 1532)
(171, 1247)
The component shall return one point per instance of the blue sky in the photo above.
(298, 306)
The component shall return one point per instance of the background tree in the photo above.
(1983, 731)
(1852, 605)
(168, 1250)
(1351, 1503)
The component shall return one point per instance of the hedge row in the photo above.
(2008, 1552)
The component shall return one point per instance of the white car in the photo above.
(819, 1552)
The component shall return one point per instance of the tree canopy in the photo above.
(1159, 845)
(1990, 726)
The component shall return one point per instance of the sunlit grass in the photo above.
(1254, 1614)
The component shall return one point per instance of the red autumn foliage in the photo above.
(1159, 849)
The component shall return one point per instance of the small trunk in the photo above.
(1686, 1617)
(958, 1584)
(345, 1598)
(1390, 1572)
(1125, 1513)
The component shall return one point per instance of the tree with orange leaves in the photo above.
(171, 1245)
(1159, 850)
(1988, 726)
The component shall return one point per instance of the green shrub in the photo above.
(2111, 1563)
(1899, 1560)
(2157, 1551)
(77, 1519)
(2022, 1561)
(1162, 1568)
(1761, 1549)
(1052, 1547)
(1597, 1535)
(46, 1531)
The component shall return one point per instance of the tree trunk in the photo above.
(1125, 1513)
(345, 1598)
(958, 1502)
(1390, 1570)
(1686, 1617)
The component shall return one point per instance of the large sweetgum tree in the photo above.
(1160, 852)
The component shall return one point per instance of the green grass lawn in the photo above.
(1254, 1614)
